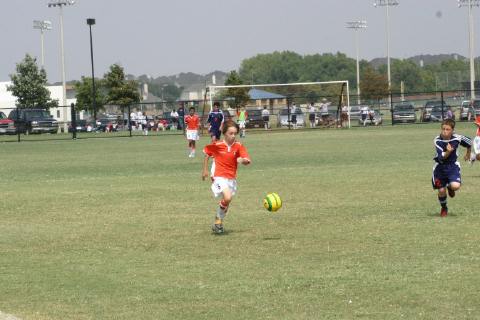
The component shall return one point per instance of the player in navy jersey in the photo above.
(446, 171)
(215, 121)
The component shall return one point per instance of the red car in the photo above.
(7, 126)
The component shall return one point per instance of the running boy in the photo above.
(192, 122)
(476, 142)
(215, 121)
(226, 154)
(446, 171)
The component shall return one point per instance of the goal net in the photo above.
(287, 105)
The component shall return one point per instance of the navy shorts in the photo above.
(443, 174)
(215, 133)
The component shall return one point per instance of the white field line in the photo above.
(4, 316)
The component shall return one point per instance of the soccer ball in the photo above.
(272, 202)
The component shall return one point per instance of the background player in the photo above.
(446, 171)
(192, 122)
(242, 119)
(215, 122)
(226, 155)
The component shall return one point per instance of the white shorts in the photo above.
(219, 184)
(192, 135)
(476, 145)
(241, 124)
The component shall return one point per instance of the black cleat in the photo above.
(218, 228)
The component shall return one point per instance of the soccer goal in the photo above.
(285, 105)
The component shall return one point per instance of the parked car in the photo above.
(81, 126)
(476, 107)
(7, 126)
(33, 121)
(404, 113)
(374, 118)
(467, 112)
(427, 109)
(356, 112)
(438, 113)
(284, 120)
(254, 118)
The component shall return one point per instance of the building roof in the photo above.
(256, 94)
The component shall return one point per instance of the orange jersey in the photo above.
(192, 122)
(225, 157)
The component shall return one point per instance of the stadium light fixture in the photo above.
(91, 22)
(60, 4)
(387, 4)
(470, 4)
(357, 25)
(42, 25)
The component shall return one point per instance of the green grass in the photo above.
(120, 229)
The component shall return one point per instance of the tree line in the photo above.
(29, 81)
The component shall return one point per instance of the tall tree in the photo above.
(29, 85)
(83, 90)
(240, 95)
(374, 86)
(120, 91)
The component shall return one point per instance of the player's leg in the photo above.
(193, 148)
(454, 180)
(439, 182)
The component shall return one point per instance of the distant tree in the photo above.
(120, 91)
(374, 86)
(83, 91)
(240, 95)
(29, 85)
(166, 91)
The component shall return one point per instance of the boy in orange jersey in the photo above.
(476, 142)
(192, 122)
(226, 154)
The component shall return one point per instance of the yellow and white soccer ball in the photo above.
(272, 202)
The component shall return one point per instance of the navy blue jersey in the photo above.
(441, 146)
(215, 119)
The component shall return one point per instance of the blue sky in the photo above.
(157, 37)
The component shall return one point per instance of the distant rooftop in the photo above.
(256, 94)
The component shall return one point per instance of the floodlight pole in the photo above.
(60, 4)
(470, 4)
(387, 4)
(90, 22)
(356, 25)
(42, 26)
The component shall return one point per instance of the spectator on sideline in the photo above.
(266, 118)
(312, 114)
(174, 116)
(324, 111)
(181, 117)
(294, 115)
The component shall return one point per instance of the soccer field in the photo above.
(120, 229)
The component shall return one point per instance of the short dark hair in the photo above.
(216, 104)
(191, 108)
(229, 123)
(449, 122)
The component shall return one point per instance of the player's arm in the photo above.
(221, 122)
(467, 143)
(243, 156)
(205, 167)
(440, 152)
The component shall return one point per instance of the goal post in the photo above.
(280, 98)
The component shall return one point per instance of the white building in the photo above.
(61, 114)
